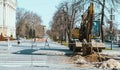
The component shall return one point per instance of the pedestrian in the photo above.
(46, 43)
(18, 42)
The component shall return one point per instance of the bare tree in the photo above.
(65, 19)
(26, 23)
(69, 14)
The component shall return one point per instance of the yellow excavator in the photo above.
(87, 38)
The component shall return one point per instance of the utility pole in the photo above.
(32, 42)
(111, 25)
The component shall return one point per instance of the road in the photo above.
(114, 46)
(35, 56)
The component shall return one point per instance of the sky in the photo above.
(44, 8)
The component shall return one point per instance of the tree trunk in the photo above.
(69, 41)
(102, 21)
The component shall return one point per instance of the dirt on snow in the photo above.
(95, 60)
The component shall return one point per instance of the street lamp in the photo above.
(111, 38)
(32, 33)
(112, 17)
(32, 41)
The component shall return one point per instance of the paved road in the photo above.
(114, 46)
(37, 56)
(115, 49)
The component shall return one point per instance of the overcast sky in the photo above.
(44, 8)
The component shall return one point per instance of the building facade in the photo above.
(39, 31)
(8, 17)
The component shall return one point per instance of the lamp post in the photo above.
(111, 38)
(112, 17)
(32, 42)
(32, 33)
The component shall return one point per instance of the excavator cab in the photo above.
(96, 29)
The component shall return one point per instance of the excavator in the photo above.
(87, 38)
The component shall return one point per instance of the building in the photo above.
(8, 17)
(39, 31)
